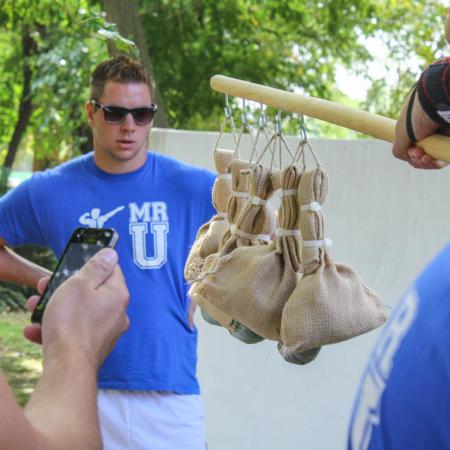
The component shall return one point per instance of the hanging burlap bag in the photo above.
(238, 170)
(253, 228)
(240, 185)
(251, 283)
(330, 303)
(210, 234)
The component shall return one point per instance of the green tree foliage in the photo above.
(290, 44)
(69, 38)
(411, 47)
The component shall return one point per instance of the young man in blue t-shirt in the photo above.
(403, 401)
(149, 394)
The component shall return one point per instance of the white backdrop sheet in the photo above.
(387, 221)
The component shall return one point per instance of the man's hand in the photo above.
(420, 160)
(423, 126)
(87, 313)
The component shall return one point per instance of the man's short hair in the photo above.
(120, 68)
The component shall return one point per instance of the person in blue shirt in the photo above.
(403, 401)
(149, 396)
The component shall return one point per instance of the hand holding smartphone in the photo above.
(83, 244)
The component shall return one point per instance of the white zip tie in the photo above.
(239, 194)
(322, 243)
(289, 192)
(313, 206)
(261, 237)
(255, 200)
(280, 232)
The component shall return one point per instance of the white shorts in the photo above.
(137, 420)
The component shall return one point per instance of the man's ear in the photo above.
(89, 107)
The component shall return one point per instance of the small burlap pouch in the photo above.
(254, 226)
(238, 170)
(210, 234)
(330, 303)
(252, 282)
(240, 185)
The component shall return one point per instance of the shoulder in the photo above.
(53, 180)
(182, 172)
(66, 169)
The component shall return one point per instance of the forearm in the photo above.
(422, 126)
(63, 408)
(16, 432)
(15, 269)
(61, 415)
(402, 142)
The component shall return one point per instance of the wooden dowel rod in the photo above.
(380, 127)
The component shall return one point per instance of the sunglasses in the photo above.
(117, 114)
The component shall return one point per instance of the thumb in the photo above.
(99, 268)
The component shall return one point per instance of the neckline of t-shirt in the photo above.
(90, 165)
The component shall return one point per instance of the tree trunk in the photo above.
(25, 108)
(125, 14)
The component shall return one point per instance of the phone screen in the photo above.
(83, 244)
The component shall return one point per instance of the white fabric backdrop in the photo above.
(386, 221)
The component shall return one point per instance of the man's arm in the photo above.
(51, 420)
(82, 322)
(422, 126)
(15, 269)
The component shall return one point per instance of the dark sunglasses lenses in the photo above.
(116, 114)
(143, 116)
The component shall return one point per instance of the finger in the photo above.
(415, 153)
(99, 268)
(42, 284)
(33, 333)
(415, 163)
(191, 313)
(32, 302)
(126, 324)
(438, 164)
(116, 282)
(433, 163)
(426, 162)
(422, 161)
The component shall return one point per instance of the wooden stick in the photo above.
(380, 127)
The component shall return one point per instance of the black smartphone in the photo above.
(83, 244)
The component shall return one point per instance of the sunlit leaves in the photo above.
(70, 36)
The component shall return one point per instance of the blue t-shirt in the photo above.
(403, 401)
(157, 211)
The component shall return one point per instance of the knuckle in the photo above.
(98, 265)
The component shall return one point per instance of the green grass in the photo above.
(20, 360)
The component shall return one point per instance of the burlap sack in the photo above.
(238, 170)
(331, 303)
(254, 226)
(240, 185)
(252, 282)
(210, 234)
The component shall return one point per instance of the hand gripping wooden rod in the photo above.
(380, 127)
